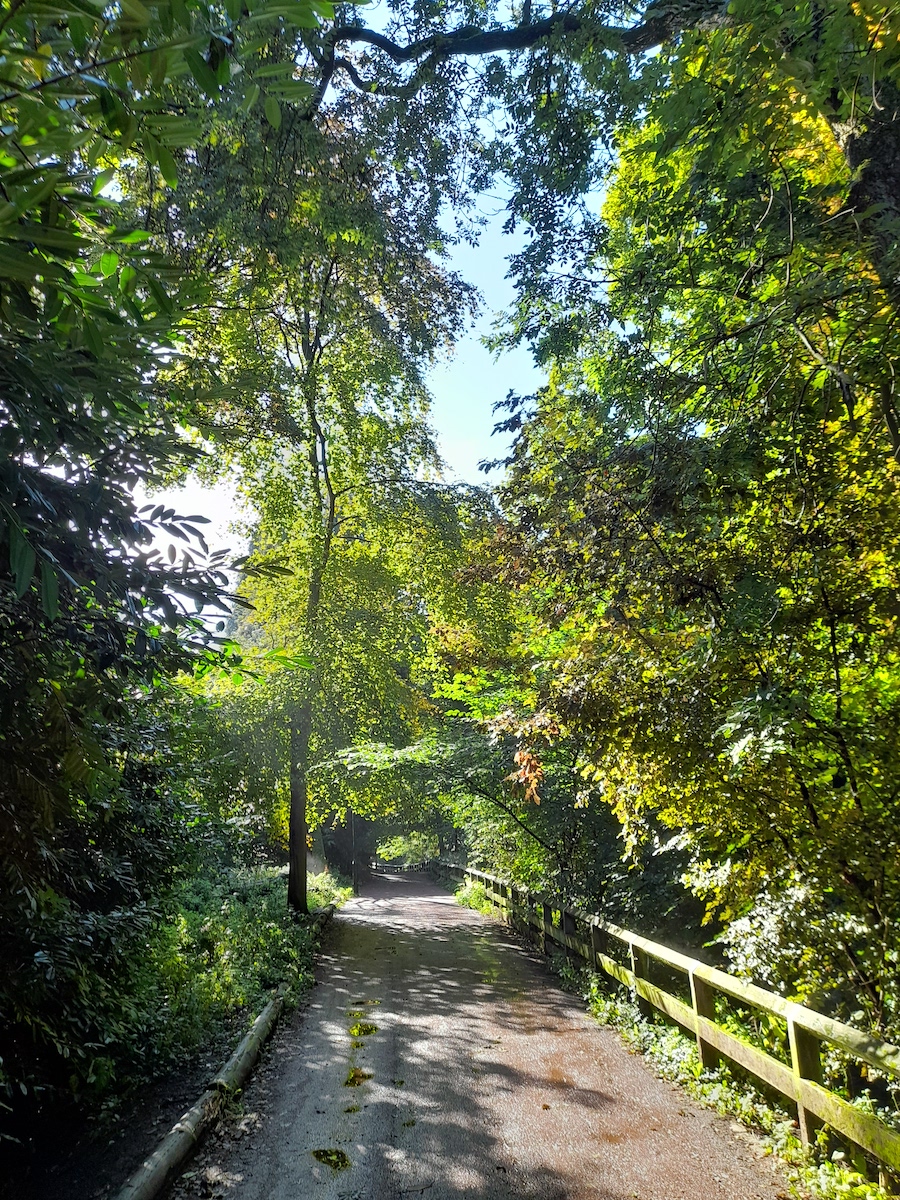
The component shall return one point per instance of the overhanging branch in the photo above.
(661, 22)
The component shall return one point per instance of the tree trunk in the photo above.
(871, 147)
(301, 723)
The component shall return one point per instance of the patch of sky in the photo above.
(468, 384)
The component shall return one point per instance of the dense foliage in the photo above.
(660, 667)
(96, 821)
(703, 512)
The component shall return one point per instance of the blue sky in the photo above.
(466, 388)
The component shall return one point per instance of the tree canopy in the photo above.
(658, 666)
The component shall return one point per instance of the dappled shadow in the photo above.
(446, 998)
(482, 1079)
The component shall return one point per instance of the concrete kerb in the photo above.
(182, 1139)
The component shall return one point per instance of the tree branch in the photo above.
(486, 795)
(660, 23)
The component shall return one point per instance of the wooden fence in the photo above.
(587, 937)
(383, 868)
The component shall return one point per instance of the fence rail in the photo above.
(589, 937)
(383, 868)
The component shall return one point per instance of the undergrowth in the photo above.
(729, 1091)
(473, 894)
(210, 968)
(206, 971)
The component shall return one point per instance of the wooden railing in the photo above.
(587, 937)
(382, 868)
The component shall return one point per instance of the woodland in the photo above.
(655, 671)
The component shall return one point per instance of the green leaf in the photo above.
(174, 131)
(136, 11)
(102, 180)
(273, 112)
(298, 14)
(159, 67)
(202, 72)
(46, 235)
(109, 262)
(167, 167)
(250, 98)
(113, 110)
(21, 559)
(132, 237)
(163, 301)
(127, 280)
(27, 267)
(275, 70)
(49, 591)
(294, 89)
(93, 339)
(38, 194)
(151, 147)
(90, 8)
(129, 130)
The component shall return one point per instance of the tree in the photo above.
(89, 313)
(573, 74)
(89, 310)
(92, 618)
(306, 361)
(703, 521)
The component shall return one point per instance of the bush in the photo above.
(473, 894)
(229, 941)
(189, 975)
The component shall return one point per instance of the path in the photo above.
(483, 1080)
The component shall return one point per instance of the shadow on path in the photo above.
(481, 1079)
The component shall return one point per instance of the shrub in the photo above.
(192, 973)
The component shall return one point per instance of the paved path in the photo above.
(482, 1080)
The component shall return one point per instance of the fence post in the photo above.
(570, 929)
(640, 965)
(703, 998)
(524, 914)
(598, 945)
(546, 922)
(532, 920)
(806, 1061)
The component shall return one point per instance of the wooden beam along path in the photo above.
(589, 937)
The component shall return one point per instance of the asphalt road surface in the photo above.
(437, 1058)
